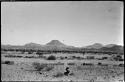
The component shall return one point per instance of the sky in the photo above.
(76, 23)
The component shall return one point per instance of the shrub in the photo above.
(38, 66)
(8, 62)
(121, 65)
(71, 74)
(51, 57)
(49, 68)
(99, 63)
(10, 56)
(90, 64)
(59, 74)
(71, 63)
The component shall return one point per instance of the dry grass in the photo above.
(38, 66)
(59, 74)
(78, 71)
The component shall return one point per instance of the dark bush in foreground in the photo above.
(8, 62)
(38, 66)
(51, 58)
(59, 74)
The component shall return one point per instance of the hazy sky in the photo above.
(77, 23)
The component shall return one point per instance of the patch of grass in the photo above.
(59, 74)
(79, 68)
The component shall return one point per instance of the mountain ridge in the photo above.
(57, 45)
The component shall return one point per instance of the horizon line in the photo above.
(61, 42)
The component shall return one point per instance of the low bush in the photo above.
(49, 68)
(71, 74)
(71, 63)
(51, 57)
(99, 63)
(8, 62)
(14, 56)
(90, 64)
(38, 66)
(121, 65)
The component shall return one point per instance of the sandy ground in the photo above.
(22, 70)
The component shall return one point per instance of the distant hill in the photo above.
(57, 45)
(110, 45)
(33, 46)
(115, 48)
(94, 46)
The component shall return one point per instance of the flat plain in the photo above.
(32, 67)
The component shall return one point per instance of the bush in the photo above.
(8, 62)
(121, 65)
(99, 63)
(59, 74)
(51, 58)
(49, 68)
(90, 64)
(38, 66)
(71, 63)
(71, 74)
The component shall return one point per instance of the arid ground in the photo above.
(40, 69)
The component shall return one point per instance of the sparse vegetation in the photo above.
(57, 68)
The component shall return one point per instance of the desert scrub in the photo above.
(71, 63)
(38, 66)
(71, 74)
(8, 62)
(59, 74)
(51, 57)
(48, 68)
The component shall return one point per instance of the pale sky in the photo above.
(77, 23)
